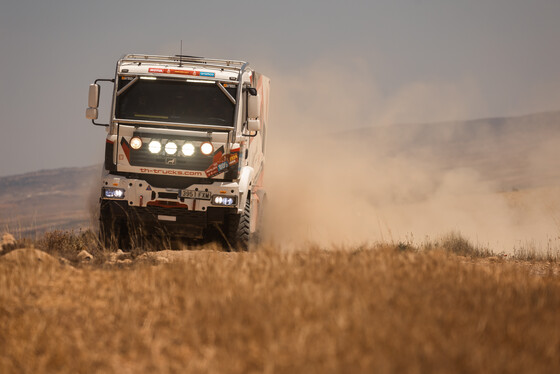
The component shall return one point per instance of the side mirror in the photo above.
(93, 102)
(92, 113)
(254, 124)
(254, 106)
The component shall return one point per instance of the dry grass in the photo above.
(312, 311)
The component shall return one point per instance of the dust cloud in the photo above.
(342, 171)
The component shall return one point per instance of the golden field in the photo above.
(444, 308)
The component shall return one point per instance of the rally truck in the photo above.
(185, 149)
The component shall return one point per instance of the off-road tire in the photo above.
(105, 233)
(113, 234)
(244, 229)
(237, 229)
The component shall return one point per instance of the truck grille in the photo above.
(168, 195)
(143, 156)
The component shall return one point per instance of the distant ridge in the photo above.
(51, 177)
(430, 132)
(515, 152)
(531, 117)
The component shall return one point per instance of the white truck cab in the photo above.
(184, 153)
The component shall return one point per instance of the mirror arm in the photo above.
(102, 80)
(99, 124)
(249, 135)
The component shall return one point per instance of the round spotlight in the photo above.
(171, 148)
(206, 148)
(188, 149)
(136, 143)
(154, 146)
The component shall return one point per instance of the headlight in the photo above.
(188, 149)
(171, 148)
(136, 143)
(154, 146)
(113, 193)
(206, 148)
(224, 200)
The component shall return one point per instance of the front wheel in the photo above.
(113, 234)
(238, 229)
(243, 233)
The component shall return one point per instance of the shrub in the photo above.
(458, 245)
(68, 244)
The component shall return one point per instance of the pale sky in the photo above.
(503, 52)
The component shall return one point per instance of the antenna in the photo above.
(181, 55)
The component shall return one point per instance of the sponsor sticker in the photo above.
(181, 72)
(184, 173)
(221, 164)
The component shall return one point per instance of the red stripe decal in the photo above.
(126, 149)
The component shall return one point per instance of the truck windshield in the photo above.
(175, 101)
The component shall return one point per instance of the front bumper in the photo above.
(144, 205)
(139, 193)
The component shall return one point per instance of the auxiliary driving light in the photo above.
(188, 149)
(206, 148)
(154, 146)
(113, 193)
(224, 200)
(136, 143)
(171, 148)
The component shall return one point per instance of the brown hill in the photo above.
(49, 199)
